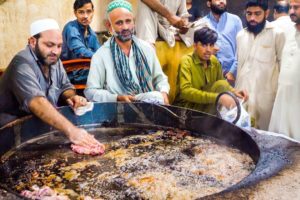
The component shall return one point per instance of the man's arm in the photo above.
(44, 110)
(279, 44)
(158, 7)
(233, 69)
(187, 91)
(95, 86)
(72, 99)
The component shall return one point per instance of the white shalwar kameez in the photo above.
(258, 68)
(286, 112)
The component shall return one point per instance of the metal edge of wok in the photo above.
(271, 154)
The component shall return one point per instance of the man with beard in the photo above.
(259, 48)
(79, 40)
(125, 68)
(227, 26)
(282, 19)
(35, 80)
(286, 111)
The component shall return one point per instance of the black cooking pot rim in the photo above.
(268, 152)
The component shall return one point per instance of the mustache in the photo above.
(53, 55)
(126, 31)
(252, 21)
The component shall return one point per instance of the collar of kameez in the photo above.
(118, 4)
(198, 61)
(82, 28)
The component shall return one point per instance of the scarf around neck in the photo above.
(121, 64)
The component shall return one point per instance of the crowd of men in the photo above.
(160, 57)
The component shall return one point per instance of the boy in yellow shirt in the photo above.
(200, 78)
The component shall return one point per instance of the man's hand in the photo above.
(183, 30)
(230, 77)
(166, 98)
(125, 98)
(243, 94)
(177, 22)
(81, 137)
(44, 110)
(76, 101)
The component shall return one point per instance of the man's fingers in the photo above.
(70, 102)
(131, 98)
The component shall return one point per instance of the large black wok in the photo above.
(271, 154)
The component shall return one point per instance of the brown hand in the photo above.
(125, 98)
(178, 22)
(166, 98)
(76, 101)
(227, 101)
(243, 94)
(230, 77)
(81, 137)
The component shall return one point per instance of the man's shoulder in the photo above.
(21, 64)
(23, 57)
(214, 61)
(206, 17)
(274, 28)
(232, 16)
(143, 43)
(243, 32)
(187, 57)
(70, 25)
(103, 51)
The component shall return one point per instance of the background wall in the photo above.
(17, 15)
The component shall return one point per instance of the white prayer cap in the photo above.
(42, 25)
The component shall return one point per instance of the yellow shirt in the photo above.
(195, 83)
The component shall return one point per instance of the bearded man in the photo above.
(286, 111)
(227, 26)
(35, 80)
(259, 48)
(125, 68)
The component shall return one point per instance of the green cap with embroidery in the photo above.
(118, 4)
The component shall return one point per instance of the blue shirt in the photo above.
(75, 45)
(227, 28)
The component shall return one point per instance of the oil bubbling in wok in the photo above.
(139, 163)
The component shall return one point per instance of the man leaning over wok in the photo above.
(35, 80)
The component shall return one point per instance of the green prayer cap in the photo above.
(118, 4)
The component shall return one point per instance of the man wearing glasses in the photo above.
(259, 48)
(79, 40)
